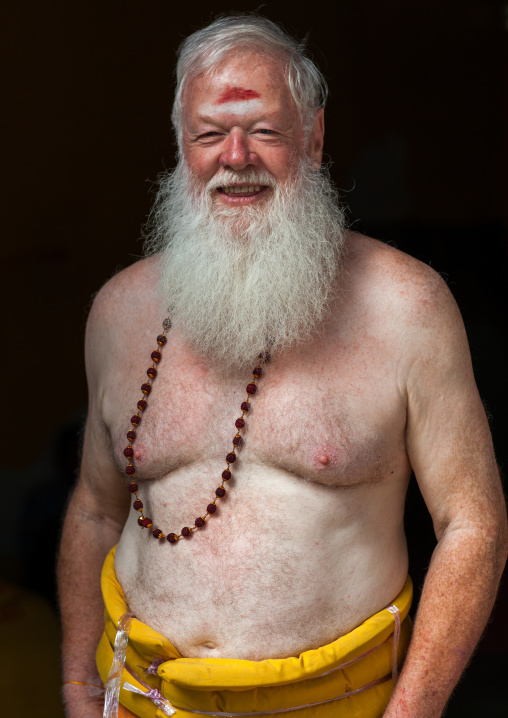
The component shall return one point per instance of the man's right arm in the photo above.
(94, 521)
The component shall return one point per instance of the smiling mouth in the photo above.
(243, 190)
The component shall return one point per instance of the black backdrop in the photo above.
(418, 143)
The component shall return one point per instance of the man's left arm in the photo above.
(450, 449)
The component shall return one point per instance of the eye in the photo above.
(209, 134)
(266, 132)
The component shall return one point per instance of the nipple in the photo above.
(138, 454)
(325, 457)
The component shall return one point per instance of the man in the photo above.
(268, 574)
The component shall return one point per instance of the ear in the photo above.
(316, 138)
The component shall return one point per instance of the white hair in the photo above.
(240, 280)
(205, 49)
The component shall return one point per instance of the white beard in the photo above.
(241, 280)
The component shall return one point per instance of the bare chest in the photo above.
(336, 421)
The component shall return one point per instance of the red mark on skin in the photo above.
(235, 94)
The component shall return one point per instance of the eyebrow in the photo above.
(236, 93)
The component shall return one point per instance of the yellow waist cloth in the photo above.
(216, 686)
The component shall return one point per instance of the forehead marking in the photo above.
(233, 94)
(232, 108)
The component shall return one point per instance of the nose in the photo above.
(235, 152)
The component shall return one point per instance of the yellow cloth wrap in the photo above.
(226, 685)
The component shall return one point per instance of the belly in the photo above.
(285, 565)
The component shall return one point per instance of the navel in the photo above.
(208, 644)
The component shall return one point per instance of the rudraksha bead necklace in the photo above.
(130, 469)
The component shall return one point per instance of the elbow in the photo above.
(484, 539)
(496, 534)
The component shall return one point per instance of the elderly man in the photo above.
(261, 387)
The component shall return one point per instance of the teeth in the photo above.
(241, 190)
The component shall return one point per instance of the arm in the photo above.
(93, 524)
(450, 449)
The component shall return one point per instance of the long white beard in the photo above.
(241, 280)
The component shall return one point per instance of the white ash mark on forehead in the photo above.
(235, 107)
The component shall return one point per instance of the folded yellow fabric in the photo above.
(218, 686)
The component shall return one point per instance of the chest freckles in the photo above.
(313, 435)
(188, 419)
(313, 427)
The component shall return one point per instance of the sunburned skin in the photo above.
(237, 101)
(243, 117)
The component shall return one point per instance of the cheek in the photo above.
(280, 162)
(202, 164)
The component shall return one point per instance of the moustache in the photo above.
(245, 177)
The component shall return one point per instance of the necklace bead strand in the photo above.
(130, 469)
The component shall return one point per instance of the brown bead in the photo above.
(142, 404)
(245, 406)
(220, 491)
(131, 435)
(138, 505)
(257, 372)
(152, 372)
(135, 420)
(146, 389)
(211, 508)
(199, 522)
(251, 389)
(161, 340)
(237, 441)
(186, 531)
(147, 522)
(140, 521)
(156, 356)
(157, 533)
(240, 423)
(130, 470)
(226, 474)
(172, 538)
(133, 487)
(128, 452)
(231, 457)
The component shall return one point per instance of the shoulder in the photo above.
(409, 310)
(121, 308)
(126, 288)
(408, 293)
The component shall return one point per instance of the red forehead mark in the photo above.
(237, 93)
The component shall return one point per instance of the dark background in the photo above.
(417, 133)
